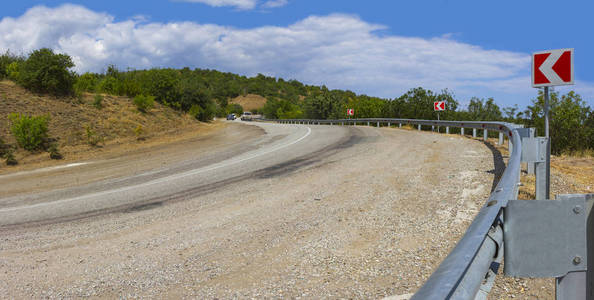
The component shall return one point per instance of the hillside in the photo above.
(250, 102)
(118, 122)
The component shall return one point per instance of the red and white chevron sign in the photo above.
(552, 67)
(350, 112)
(439, 106)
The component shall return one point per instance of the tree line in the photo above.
(206, 93)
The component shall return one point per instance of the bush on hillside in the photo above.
(235, 109)
(10, 159)
(203, 114)
(29, 131)
(54, 152)
(8, 62)
(13, 71)
(46, 72)
(86, 82)
(98, 101)
(144, 103)
(93, 138)
(4, 148)
(195, 111)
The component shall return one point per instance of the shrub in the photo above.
(6, 61)
(4, 148)
(195, 111)
(139, 131)
(79, 97)
(54, 152)
(203, 114)
(12, 71)
(46, 72)
(10, 159)
(29, 131)
(144, 103)
(86, 83)
(92, 138)
(98, 101)
(235, 108)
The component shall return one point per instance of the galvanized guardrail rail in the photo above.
(470, 268)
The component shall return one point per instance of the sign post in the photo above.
(438, 106)
(350, 112)
(551, 68)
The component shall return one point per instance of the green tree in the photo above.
(569, 120)
(481, 110)
(47, 72)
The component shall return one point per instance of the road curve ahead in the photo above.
(281, 146)
(295, 212)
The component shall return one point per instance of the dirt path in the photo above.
(372, 218)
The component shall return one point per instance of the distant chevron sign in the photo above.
(552, 67)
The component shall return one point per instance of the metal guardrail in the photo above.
(470, 268)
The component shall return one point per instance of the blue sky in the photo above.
(381, 48)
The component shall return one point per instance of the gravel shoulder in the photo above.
(371, 217)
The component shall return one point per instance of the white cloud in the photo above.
(340, 51)
(240, 4)
(275, 3)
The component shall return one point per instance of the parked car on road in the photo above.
(231, 117)
(247, 116)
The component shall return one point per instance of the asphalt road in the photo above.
(282, 148)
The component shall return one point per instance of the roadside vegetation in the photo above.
(205, 94)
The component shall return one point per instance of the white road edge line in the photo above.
(45, 169)
(160, 180)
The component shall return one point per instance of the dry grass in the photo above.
(579, 153)
(576, 167)
(250, 102)
(579, 169)
(116, 122)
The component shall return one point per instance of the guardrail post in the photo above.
(462, 131)
(378, 125)
(367, 123)
(342, 124)
(447, 129)
(540, 172)
(432, 128)
(510, 146)
(485, 134)
(419, 127)
(399, 125)
(389, 124)
(528, 134)
(579, 285)
(500, 142)
(473, 132)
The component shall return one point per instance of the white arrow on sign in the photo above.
(547, 67)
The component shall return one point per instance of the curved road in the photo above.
(251, 211)
(281, 147)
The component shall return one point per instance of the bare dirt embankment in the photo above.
(250, 102)
(118, 123)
